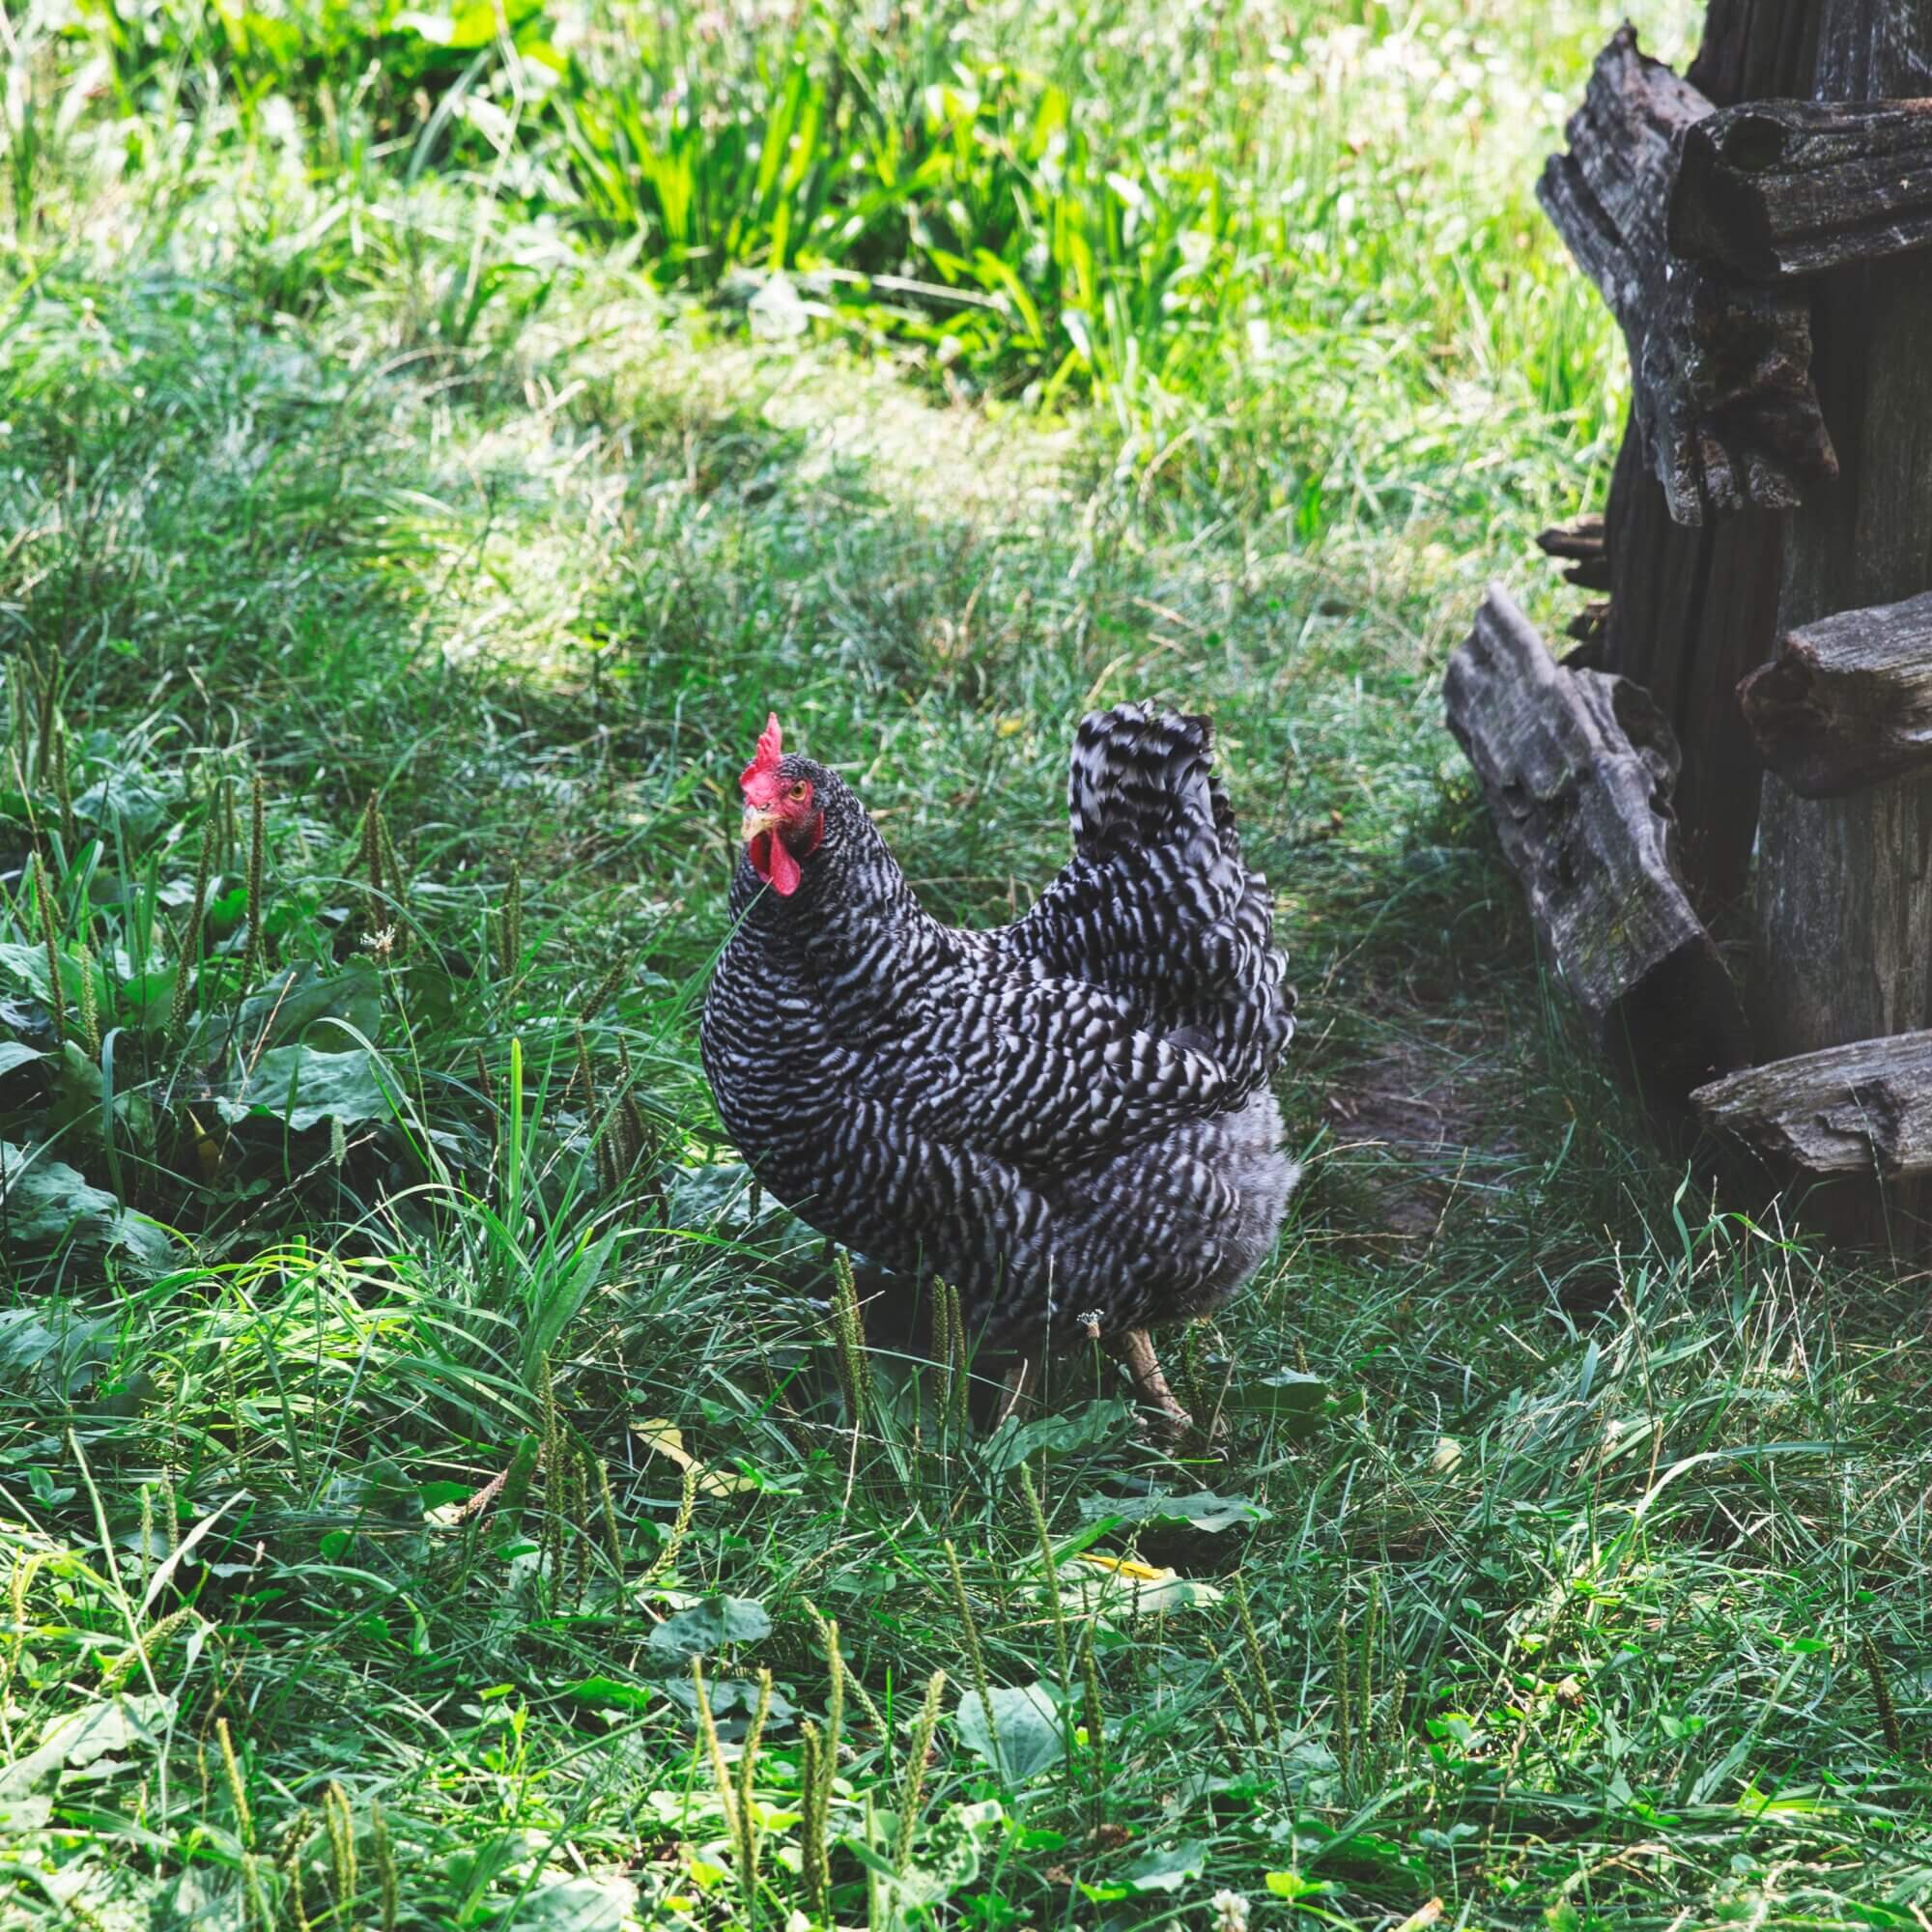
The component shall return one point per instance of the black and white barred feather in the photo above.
(1065, 1117)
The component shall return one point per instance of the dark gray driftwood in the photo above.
(1860, 1109)
(1580, 546)
(1847, 701)
(1578, 768)
(1782, 188)
(1719, 367)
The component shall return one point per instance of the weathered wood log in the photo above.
(1779, 190)
(1844, 901)
(1860, 1109)
(1847, 701)
(1577, 769)
(1693, 609)
(1719, 367)
(1582, 546)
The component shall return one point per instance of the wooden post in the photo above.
(1780, 189)
(1845, 902)
(1694, 608)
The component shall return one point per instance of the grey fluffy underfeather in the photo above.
(1065, 1117)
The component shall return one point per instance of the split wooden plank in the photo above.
(1847, 701)
(1719, 366)
(1865, 1108)
(1578, 768)
(1779, 190)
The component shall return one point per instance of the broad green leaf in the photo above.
(16, 1053)
(304, 1086)
(1028, 1723)
(307, 996)
(1091, 1426)
(78, 1737)
(76, 1109)
(1202, 1510)
(130, 803)
(46, 1202)
(22, 1814)
(26, 967)
(1166, 1868)
(603, 1694)
(606, 1903)
(1291, 1885)
(48, 1342)
(710, 1625)
(731, 1693)
(199, 1901)
(955, 1841)
(1295, 1403)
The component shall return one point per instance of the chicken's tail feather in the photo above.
(1144, 776)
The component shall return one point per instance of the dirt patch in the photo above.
(1413, 1123)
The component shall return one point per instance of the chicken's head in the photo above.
(784, 825)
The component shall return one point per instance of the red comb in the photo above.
(771, 746)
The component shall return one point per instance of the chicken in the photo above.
(1068, 1119)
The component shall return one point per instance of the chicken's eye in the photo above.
(799, 791)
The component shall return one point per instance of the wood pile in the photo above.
(1761, 228)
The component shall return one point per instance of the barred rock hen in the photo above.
(1068, 1117)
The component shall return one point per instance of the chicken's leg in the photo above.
(1134, 1350)
(1017, 1389)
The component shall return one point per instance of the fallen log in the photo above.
(1847, 701)
(1865, 1108)
(1578, 768)
(1779, 190)
(1719, 366)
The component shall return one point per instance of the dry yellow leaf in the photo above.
(668, 1439)
(1127, 1566)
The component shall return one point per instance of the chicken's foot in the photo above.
(1134, 1351)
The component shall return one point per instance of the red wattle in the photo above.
(786, 872)
(772, 860)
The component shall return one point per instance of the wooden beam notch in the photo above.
(1582, 548)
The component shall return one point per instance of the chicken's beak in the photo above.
(756, 822)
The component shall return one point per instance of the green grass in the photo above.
(359, 442)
